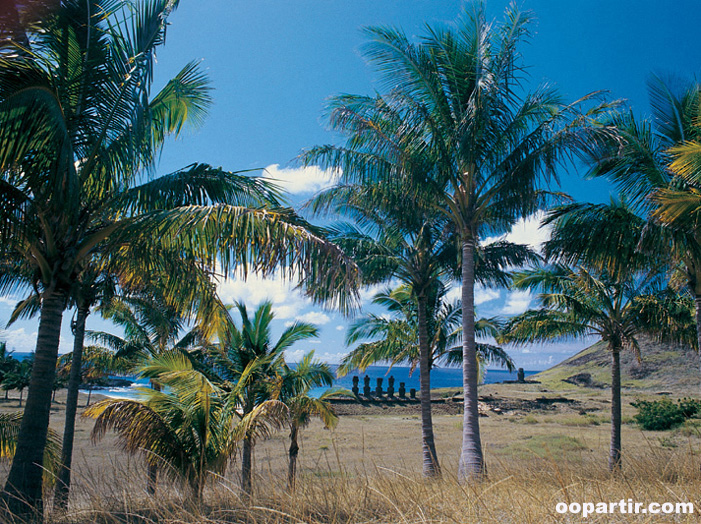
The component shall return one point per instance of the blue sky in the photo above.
(273, 63)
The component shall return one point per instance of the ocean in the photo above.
(440, 378)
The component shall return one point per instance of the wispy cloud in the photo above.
(300, 180)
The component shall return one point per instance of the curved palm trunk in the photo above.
(615, 453)
(247, 466)
(471, 459)
(431, 467)
(23, 490)
(63, 483)
(293, 452)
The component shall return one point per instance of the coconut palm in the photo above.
(580, 302)
(193, 426)
(19, 377)
(459, 97)
(399, 237)
(294, 386)
(79, 132)
(614, 290)
(249, 349)
(152, 326)
(654, 162)
(395, 338)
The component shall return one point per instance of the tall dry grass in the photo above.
(523, 491)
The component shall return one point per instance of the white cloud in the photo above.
(340, 328)
(8, 302)
(300, 180)
(482, 294)
(517, 302)
(526, 231)
(19, 340)
(254, 289)
(314, 317)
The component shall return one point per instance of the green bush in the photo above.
(660, 415)
(690, 407)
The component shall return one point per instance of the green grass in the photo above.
(555, 446)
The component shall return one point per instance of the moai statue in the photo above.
(378, 389)
(412, 393)
(355, 389)
(520, 376)
(366, 389)
(390, 388)
(402, 390)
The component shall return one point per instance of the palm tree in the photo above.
(457, 94)
(654, 162)
(581, 302)
(399, 237)
(153, 326)
(193, 426)
(294, 386)
(79, 128)
(395, 338)
(19, 377)
(614, 290)
(249, 350)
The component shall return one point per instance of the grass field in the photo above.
(542, 448)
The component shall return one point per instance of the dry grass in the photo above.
(367, 471)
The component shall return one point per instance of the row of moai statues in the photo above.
(379, 392)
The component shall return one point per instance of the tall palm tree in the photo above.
(399, 237)
(248, 349)
(457, 94)
(655, 164)
(79, 130)
(193, 426)
(614, 290)
(580, 302)
(294, 386)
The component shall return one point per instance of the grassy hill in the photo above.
(663, 368)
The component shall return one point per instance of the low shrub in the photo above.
(660, 415)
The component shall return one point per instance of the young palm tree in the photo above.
(153, 326)
(79, 127)
(193, 426)
(294, 386)
(456, 95)
(18, 378)
(395, 338)
(249, 349)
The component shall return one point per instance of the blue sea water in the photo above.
(440, 378)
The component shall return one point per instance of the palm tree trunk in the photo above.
(87, 402)
(293, 452)
(697, 300)
(21, 396)
(247, 466)
(431, 468)
(471, 459)
(151, 467)
(615, 453)
(23, 490)
(63, 483)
